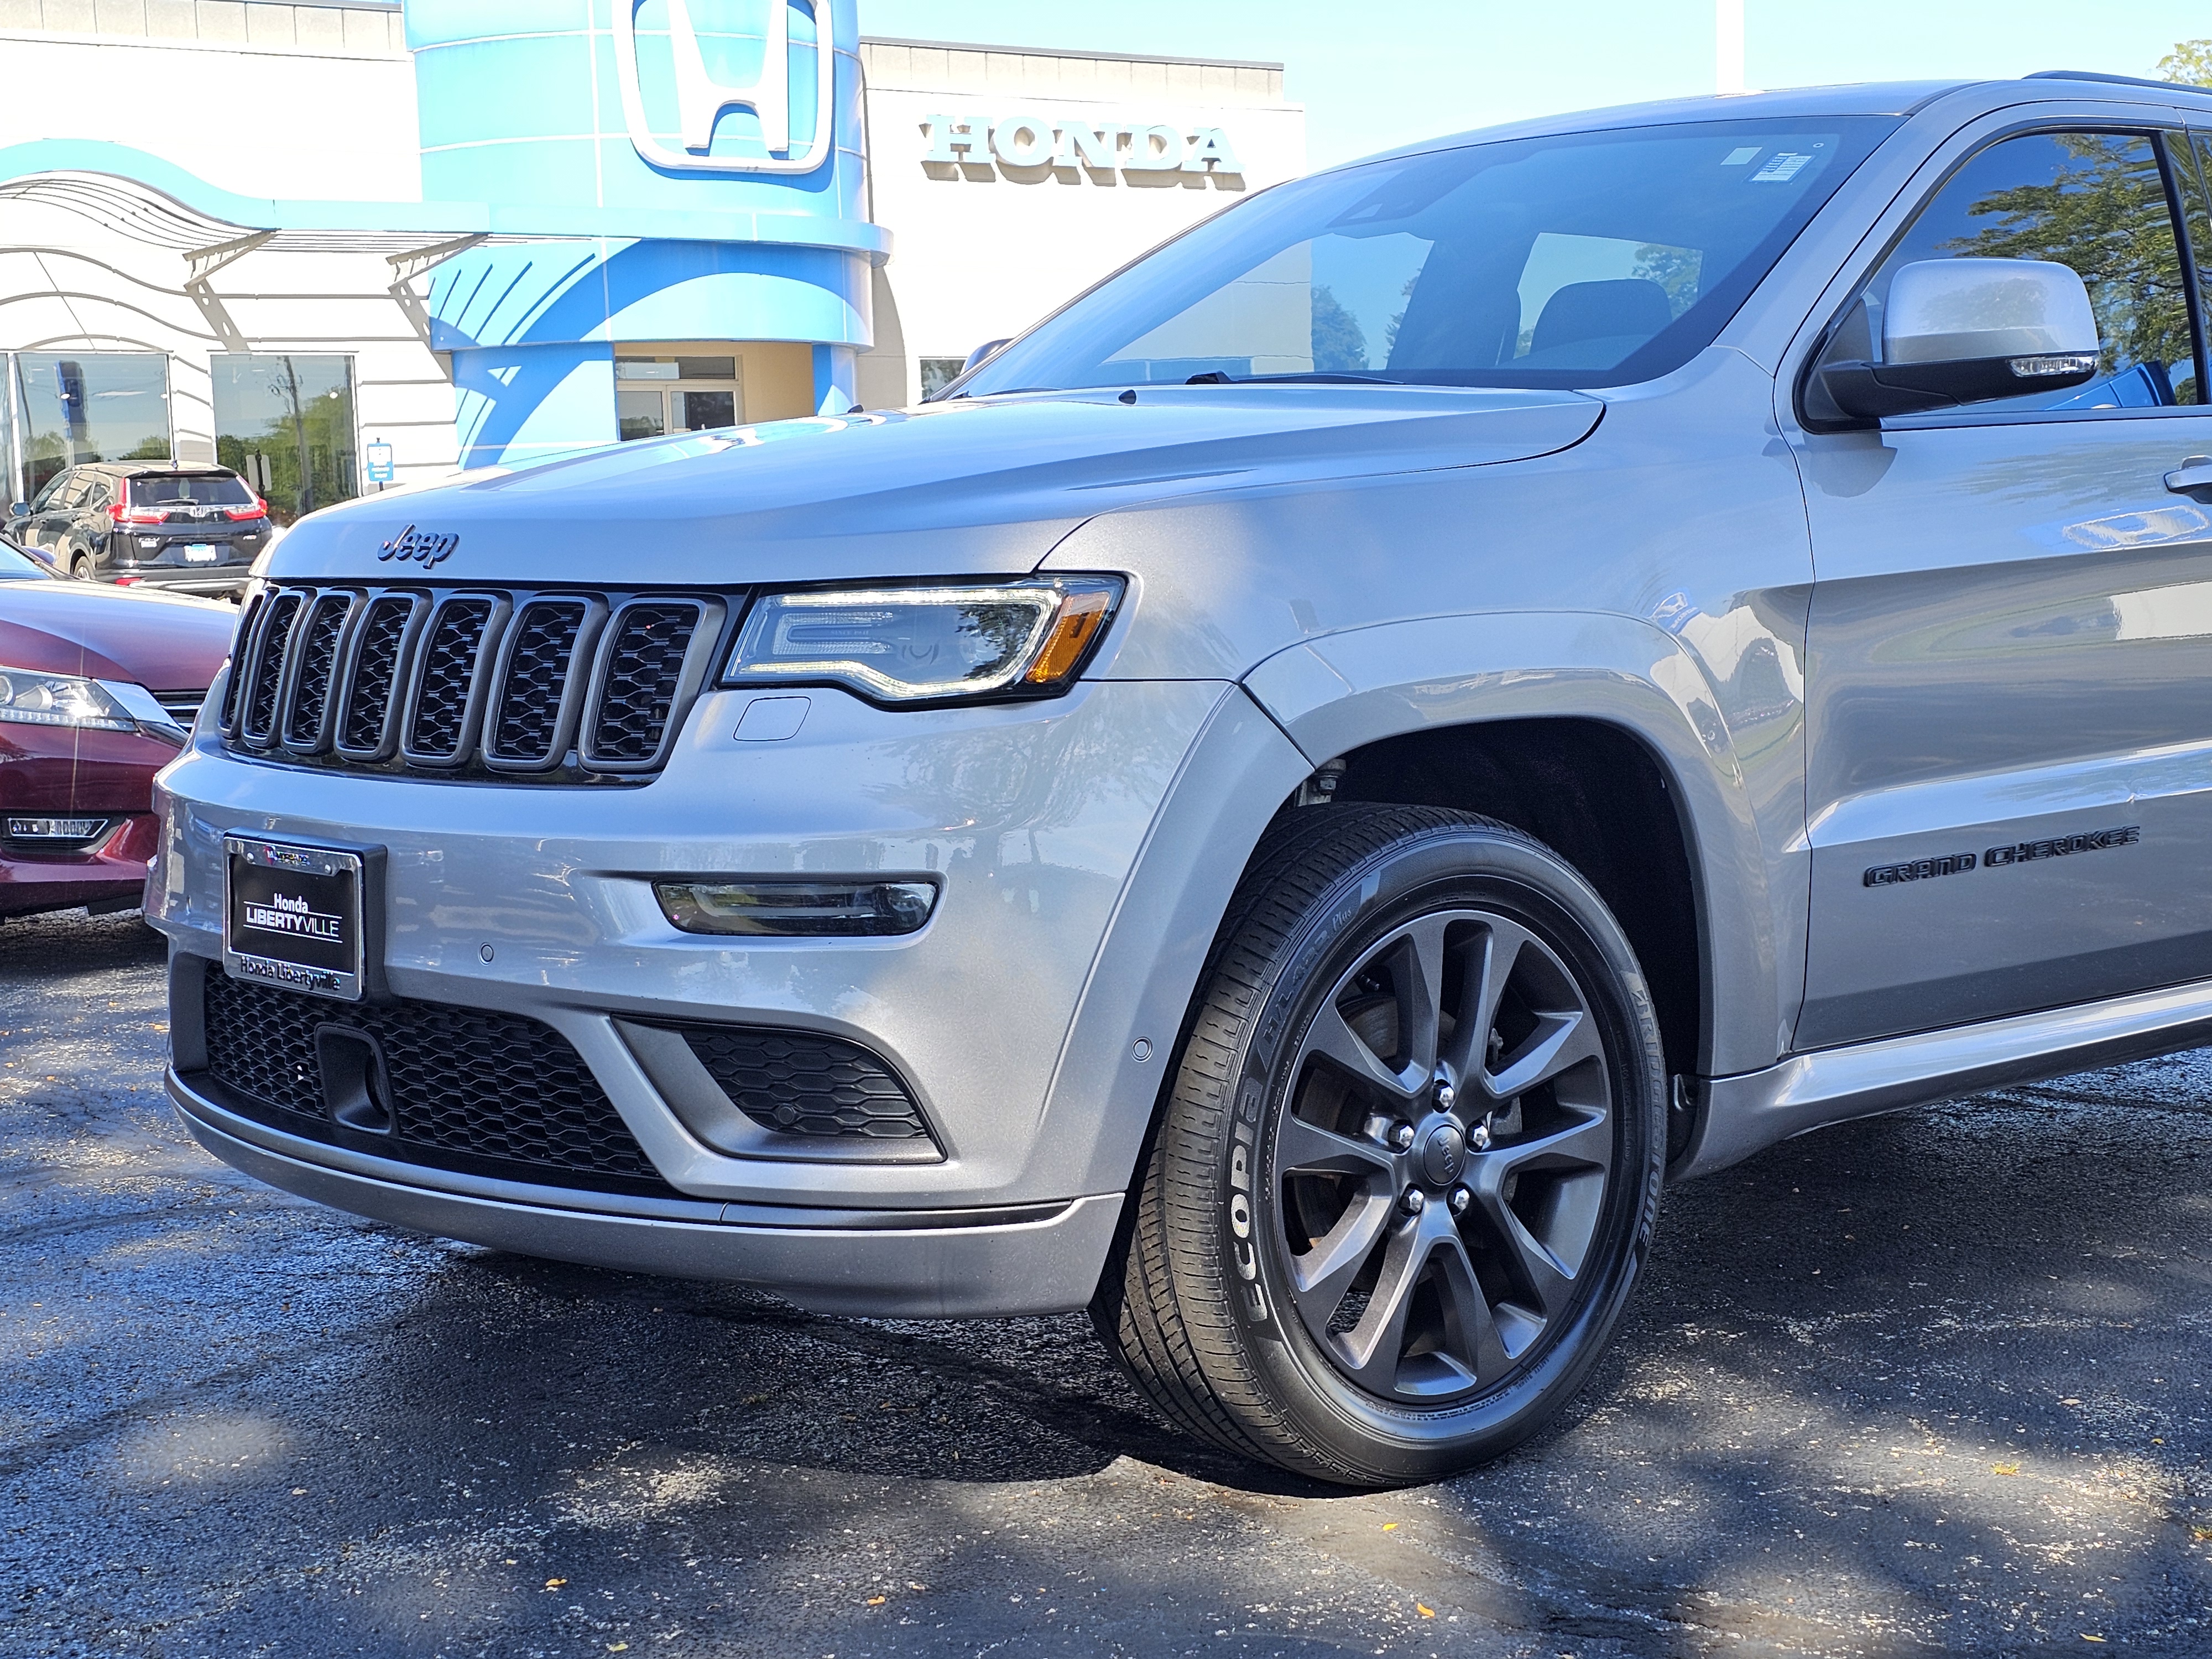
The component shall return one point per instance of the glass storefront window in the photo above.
(285, 424)
(82, 406)
(655, 396)
(939, 372)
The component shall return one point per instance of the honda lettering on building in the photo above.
(1024, 142)
(670, 56)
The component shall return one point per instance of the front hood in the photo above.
(164, 642)
(982, 488)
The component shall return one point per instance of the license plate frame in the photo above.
(295, 914)
(201, 553)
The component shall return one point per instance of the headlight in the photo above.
(927, 644)
(34, 699)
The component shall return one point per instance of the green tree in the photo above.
(2106, 217)
(2188, 62)
(1339, 344)
(1674, 269)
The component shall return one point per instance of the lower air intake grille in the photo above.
(469, 1089)
(803, 1083)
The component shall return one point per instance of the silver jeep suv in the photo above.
(1283, 805)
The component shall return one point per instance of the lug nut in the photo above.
(1478, 1136)
(1413, 1201)
(1445, 1096)
(1460, 1198)
(1403, 1137)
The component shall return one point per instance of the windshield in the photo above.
(17, 566)
(188, 490)
(1587, 259)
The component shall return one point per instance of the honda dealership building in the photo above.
(334, 244)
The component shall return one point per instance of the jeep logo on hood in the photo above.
(429, 546)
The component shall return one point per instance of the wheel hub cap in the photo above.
(1444, 1155)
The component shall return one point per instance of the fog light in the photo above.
(55, 829)
(806, 909)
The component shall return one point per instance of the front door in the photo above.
(2009, 687)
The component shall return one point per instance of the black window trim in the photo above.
(2156, 129)
(2192, 269)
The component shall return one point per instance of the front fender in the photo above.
(1342, 691)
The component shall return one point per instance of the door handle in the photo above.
(2193, 478)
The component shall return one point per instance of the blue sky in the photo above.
(1375, 74)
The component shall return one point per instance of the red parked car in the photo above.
(99, 687)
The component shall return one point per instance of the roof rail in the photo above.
(2116, 80)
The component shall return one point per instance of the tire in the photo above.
(81, 568)
(1281, 1290)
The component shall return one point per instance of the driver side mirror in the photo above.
(19, 509)
(981, 352)
(1964, 330)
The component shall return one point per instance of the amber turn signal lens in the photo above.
(1073, 630)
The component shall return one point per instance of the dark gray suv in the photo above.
(151, 524)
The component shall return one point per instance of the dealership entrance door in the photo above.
(655, 396)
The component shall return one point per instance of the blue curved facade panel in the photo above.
(531, 328)
(642, 103)
(532, 294)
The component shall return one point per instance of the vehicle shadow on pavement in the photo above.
(749, 1374)
(35, 948)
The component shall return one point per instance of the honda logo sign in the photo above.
(700, 98)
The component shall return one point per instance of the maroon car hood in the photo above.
(166, 642)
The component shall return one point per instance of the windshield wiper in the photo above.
(1215, 377)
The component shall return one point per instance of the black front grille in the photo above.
(375, 674)
(803, 1084)
(526, 725)
(266, 666)
(548, 687)
(643, 668)
(438, 727)
(471, 1091)
(183, 707)
(239, 642)
(318, 651)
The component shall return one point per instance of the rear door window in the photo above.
(188, 490)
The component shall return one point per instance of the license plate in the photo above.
(291, 916)
(202, 552)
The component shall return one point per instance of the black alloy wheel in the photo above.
(1410, 1162)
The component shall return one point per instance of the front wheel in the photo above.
(1410, 1163)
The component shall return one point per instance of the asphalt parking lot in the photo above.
(1937, 1381)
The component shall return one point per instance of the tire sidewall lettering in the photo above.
(1404, 877)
